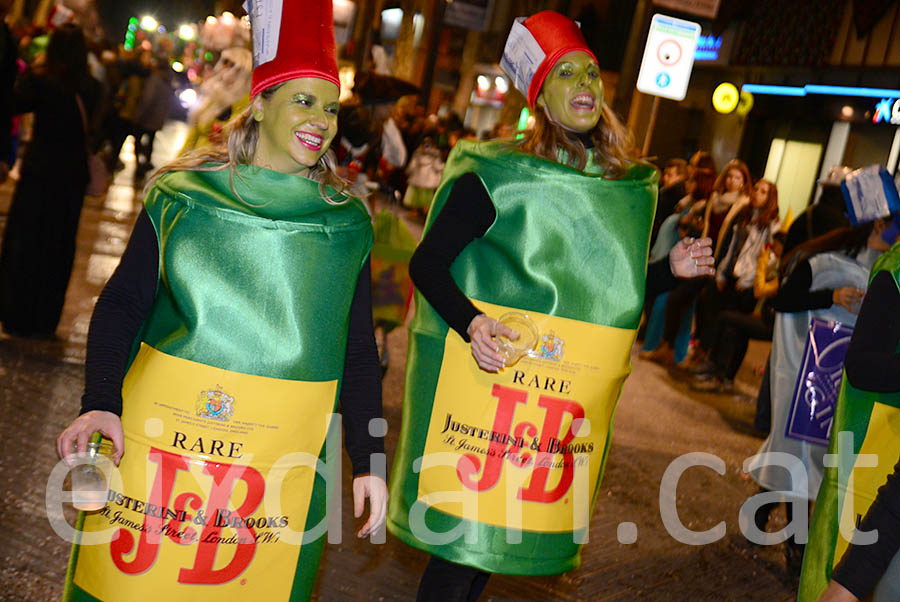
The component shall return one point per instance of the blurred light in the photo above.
(148, 23)
(188, 97)
(501, 83)
(177, 67)
(347, 75)
(208, 56)
(133, 21)
(851, 91)
(776, 90)
(132, 27)
(227, 18)
(161, 29)
(725, 97)
(391, 18)
(186, 32)
(483, 83)
(847, 112)
(146, 45)
(245, 21)
(211, 20)
(820, 89)
(191, 74)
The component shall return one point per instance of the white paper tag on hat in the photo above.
(521, 56)
(265, 23)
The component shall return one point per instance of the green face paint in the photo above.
(296, 125)
(572, 94)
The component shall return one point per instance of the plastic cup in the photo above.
(90, 484)
(513, 351)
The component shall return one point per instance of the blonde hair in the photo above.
(613, 143)
(242, 137)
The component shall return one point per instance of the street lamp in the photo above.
(148, 23)
(186, 32)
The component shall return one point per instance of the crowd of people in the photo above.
(275, 158)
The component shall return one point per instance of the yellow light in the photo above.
(186, 32)
(227, 18)
(211, 20)
(501, 84)
(483, 83)
(148, 23)
(745, 103)
(725, 97)
(177, 67)
(847, 112)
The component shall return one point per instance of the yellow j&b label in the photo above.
(216, 481)
(882, 441)
(525, 446)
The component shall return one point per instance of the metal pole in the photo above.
(649, 135)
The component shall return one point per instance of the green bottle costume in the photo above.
(568, 248)
(228, 397)
(849, 489)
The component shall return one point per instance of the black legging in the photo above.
(732, 333)
(445, 581)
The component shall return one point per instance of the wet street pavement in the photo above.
(658, 420)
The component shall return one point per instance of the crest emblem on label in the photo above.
(551, 347)
(215, 404)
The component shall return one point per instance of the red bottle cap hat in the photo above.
(535, 45)
(291, 39)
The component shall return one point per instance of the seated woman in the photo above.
(733, 288)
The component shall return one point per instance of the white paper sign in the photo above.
(265, 23)
(668, 57)
(521, 56)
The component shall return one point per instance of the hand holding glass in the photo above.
(513, 351)
(90, 483)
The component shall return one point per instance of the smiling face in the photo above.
(572, 94)
(296, 125)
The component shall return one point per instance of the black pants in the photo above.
(677, 303)
(732, 334)
(445, 581)
(762, 422)
(712, 302)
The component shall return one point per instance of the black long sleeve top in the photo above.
(127, 298)
(873, 364)
(467, 215)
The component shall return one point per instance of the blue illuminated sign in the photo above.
(888, 111)
(708, 48)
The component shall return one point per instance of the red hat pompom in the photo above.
(292, 39)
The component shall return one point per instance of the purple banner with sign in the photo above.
(818, 382)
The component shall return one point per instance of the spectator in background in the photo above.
(731, 193)
(671, 191)
(733, 287)
(8, 71)
(734, 329)
(39, 241)
(222, 95)
(133, 73)
(152, 111)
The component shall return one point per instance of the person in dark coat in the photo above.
(39, 242)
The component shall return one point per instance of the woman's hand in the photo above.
(692, 258)
(80, 430)
(835, 592)
(848, 297)
(482, 331)
(372, 487)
